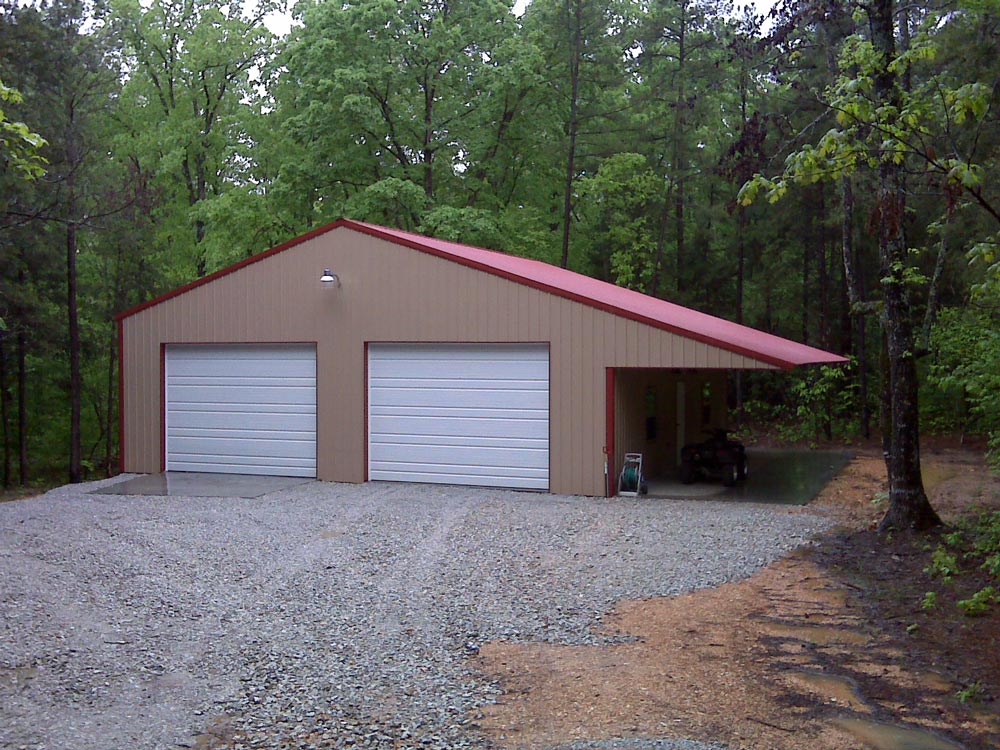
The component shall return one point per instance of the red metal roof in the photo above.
(659, 313)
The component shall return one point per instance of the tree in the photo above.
(680, 52)
(889, 128)
(585, 59)
(19, 145)
(189, 65)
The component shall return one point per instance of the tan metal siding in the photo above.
(391, 293)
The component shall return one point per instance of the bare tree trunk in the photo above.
(572, 126)
(22, 407)
(110, 411)
(854, 278)
(680, 104)
(822, 279)
(75, 387)
(908, 504)
(805, 293)
(5, 414)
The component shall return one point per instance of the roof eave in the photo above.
(413, 242)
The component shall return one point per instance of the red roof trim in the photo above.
(455, 252)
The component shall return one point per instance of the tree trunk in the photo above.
(110, 410)
(5, 414)
(572, 126)
(22, 407)
(75, 389)
(822, 277)
(854, 279)
(428, 138)
(805, 292)
(908, 504)
(680, 104)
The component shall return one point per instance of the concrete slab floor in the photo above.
(199, 484)
(781, 476)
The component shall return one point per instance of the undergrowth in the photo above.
(973, 545)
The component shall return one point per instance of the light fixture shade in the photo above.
(329, 278)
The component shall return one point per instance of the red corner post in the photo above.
(609, 430)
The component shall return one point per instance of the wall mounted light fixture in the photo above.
(330, 278)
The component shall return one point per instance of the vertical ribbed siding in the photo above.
(391, 293)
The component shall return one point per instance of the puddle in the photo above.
(893, 737)
(840, 690)
(818, 635)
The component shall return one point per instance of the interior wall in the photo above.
(646, 414)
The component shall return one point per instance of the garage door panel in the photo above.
(419, 473)
(241, 408)
(448, 412)
(513, 457)
(480, 398)
(493, 383)
(461, 441)
(476, 369)
(247, 352)
(203, 366)
(460, 352)
(243, 395)
(223, 408)
(246, 466)
(226, 420)
(429, 425)
(456, 471)
(240, 380)
(459, 414)
(251, 447)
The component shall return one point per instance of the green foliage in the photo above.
(979, 603)
(972, 693)
(811, 402)
(213, 141)
(963, 376)
(929, 601)
(19, 146)
(977, 540)
(944, 564)
(621, 202)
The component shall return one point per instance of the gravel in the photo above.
(326, 615)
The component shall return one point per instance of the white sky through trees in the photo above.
(280, 23)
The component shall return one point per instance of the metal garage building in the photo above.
(422, 360)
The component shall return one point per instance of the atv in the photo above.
(717, 456)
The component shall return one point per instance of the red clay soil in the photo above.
(804, 654)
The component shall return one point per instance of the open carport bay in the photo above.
(782, 476)
(323, 613)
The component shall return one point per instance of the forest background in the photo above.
(671, 146)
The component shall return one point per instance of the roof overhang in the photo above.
(749, 342)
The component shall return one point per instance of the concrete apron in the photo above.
(199, 484)
(778, 476)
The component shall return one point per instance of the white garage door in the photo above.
(459, 414)
(241, 409)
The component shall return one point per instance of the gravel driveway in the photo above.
(326, 615)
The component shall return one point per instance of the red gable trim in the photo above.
(625, 303)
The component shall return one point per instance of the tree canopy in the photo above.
(826, 174)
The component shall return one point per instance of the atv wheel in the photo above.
(730, 474)
(744, 469)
